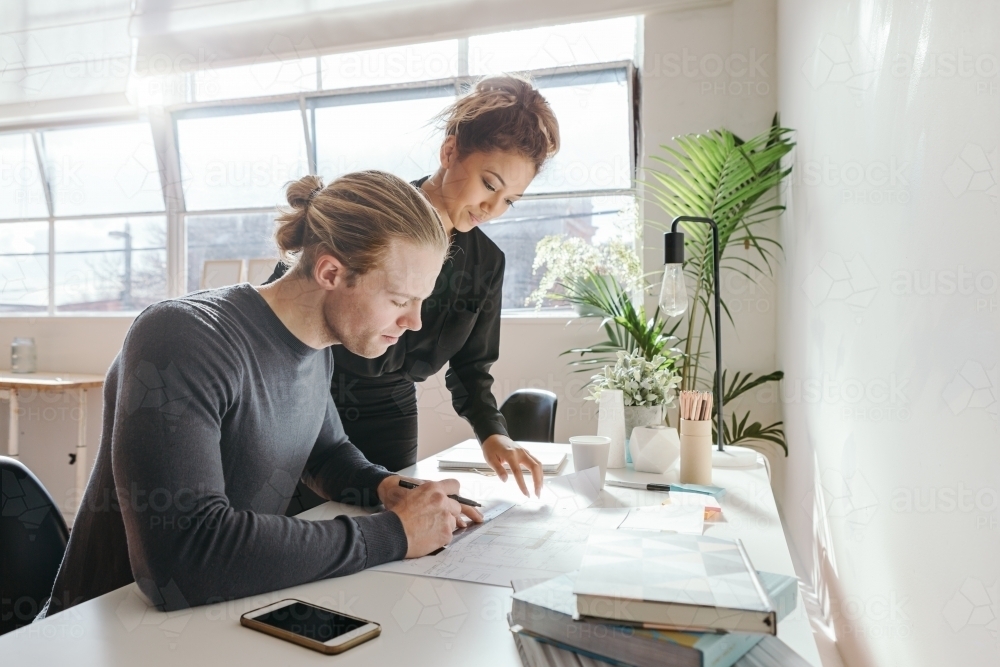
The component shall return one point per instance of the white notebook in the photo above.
(462, 457)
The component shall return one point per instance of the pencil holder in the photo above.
(696, 452)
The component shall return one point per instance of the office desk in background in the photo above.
(16, 388)
(425, 621)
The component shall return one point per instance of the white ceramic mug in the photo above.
(590, 451)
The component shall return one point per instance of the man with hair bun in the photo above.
(497, 138)
(219, 401)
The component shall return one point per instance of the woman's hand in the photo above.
(499, 449)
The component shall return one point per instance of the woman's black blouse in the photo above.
(460, 326)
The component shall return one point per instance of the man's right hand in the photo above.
(429, 516)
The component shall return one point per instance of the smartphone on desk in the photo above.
(305, 624)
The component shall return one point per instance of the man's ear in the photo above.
(329, 272)
(449, 152)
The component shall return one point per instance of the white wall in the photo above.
(890, 324)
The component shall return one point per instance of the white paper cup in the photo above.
(590, 451)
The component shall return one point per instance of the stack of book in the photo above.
(655, 600)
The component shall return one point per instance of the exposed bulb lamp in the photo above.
(673, 302)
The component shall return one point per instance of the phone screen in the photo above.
(315, 623)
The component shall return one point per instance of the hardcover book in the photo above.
(672, 581)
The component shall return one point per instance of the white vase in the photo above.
(654, 448)
(642, 415)
(611, 423)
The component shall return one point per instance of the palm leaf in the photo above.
(740, 433)
(626, 326)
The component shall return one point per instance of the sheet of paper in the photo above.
(689, 519)
(534, 539)
(713, 510)
(577, 491)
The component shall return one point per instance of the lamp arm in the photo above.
(719, 389)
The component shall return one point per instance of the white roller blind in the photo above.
(262, 30)
(54, 50)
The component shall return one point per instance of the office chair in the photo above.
(531, 415)
(33, 539)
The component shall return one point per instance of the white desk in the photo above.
(425, 621)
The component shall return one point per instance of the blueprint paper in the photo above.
(535, 539)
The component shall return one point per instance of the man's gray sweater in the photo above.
(212, 411)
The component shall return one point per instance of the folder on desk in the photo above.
(471, 458)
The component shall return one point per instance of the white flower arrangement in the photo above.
(568, 257)
(642, 382)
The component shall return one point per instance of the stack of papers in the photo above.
(469, 456)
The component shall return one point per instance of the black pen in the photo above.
(457, 498)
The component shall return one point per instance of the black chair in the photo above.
(33, 539)
(531, 415)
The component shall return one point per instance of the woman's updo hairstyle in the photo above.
(354, 218)
(504, 113)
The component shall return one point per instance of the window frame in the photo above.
(163, 127)
(102, 120)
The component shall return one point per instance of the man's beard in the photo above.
(366, 343)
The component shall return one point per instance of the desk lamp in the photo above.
(673, 302)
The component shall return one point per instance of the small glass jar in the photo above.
(22, 355)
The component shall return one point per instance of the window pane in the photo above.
(246, 237)
(107, 169)
(21, 193)
(240, 161)
(555, 46)
(274, 78)
(597, 220)
(588, 160)
(24, 266)
(400, 137)
(115, 264)
(397, 64)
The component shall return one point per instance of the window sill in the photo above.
(559, 316)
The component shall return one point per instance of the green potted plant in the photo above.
(648, 386)
(734, 182)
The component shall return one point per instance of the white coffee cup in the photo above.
(590, 451)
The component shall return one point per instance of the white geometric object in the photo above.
(654, 448)
(611, 423)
